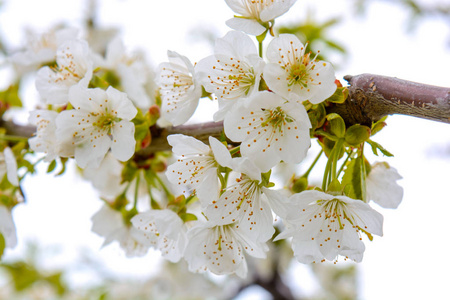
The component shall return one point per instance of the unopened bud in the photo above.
(154, 114)
(357, 134)
(299, 185)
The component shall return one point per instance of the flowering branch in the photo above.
(371, 97)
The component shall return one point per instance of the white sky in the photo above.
(406, 263)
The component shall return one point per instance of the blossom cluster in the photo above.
(210, 202)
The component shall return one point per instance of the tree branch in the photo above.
(371, 97)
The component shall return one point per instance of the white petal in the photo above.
(7, 227)
(11, 166)
(248, 26)
(186, 145)
(123, 142)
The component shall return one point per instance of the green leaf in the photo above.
(2, 245)
(375, 147)
(11, 96)
(353, 180)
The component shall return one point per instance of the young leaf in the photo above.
(353, 179)
(2, 245)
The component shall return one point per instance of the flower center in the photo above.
(277, 118)
(106, 122)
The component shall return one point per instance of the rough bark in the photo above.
(372, 97)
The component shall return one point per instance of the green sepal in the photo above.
(105, 78)
(51, 166)
(334, 188)
(339, 96)
(129, 171)
(335, 125)
(375, 147)
(317, 115)
(205, 94)
(186, 217)
(2, 245)
(357, 134)
(354, 179)
(63, 161)
(377, 126)
(265, 178)
(260, 38)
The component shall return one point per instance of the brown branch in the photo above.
(371, 97)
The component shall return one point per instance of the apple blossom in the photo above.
(246, 202)
(41, 48)
(134, 74)
(163, 230)
(294, 75)
(270, 129)
(74, 66)
(100, 121)
(197, 165)
(180, 90)
(233, 72)
(255, 15)
(324, 226)
(382, 186)
(109, 223)
(45, 137)
(220, 249)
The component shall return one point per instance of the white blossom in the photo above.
(382, 186)
(109, 223)
(134, 74)
(270, 129)
(41, 48)
(8, 166)
(164, 230)
(220, 249)
(324, 226)
(74, 66)
(255, 15)
(197, 166)
(180, 90)
(7, 227)
(245, 203)
(100, 121)
(106, 178)
(45, 137)
(233, 72)
(293, 74)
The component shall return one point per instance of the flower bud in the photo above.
(357, 134)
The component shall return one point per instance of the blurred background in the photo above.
(58, 257)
